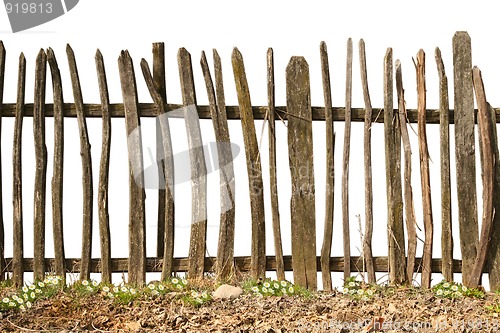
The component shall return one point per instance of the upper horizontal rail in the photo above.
(233, 112)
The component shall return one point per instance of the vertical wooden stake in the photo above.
(345, 165)
(41, 167)
(17, 190)
(465, 152)
(102, 200)
(326, 249)
(300, 151)
(2, 235)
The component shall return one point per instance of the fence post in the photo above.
(2, 234)
(137, 215)
(300, 150)
(254, 168)
(17, 191)
(57, 177)
(41, 167)
(197, 244)
(88, 194)
(102, 200)
(326, 248)
(465, 156)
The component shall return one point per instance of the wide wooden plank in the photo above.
(411, 221)
(2, 231)
(444, 130)
(392, 138)
(87, 184)
(465, 151)
(197, 243)
(242, 264)
(490, 152)
(17, 188)
(254, 169)
(58, 165)
(345, 164)
(41, 167)
(102, 192)
(167, 177)
(326, 248)
(300, 151)
(424, 171)
(273, 181)
(137, 195)
(225, 249)
(368, 235)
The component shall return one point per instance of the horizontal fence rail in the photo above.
(480, 249)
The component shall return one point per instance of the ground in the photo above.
(403, 309)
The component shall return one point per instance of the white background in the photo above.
(291, 28)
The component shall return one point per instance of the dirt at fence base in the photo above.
(404, 311)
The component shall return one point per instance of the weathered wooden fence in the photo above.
(480, 251)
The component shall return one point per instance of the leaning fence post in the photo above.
(86, 168)
(137, 215)
(300, 150)
(465, 156)
(41, 167)
(254, 169)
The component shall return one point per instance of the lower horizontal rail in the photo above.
(242, 264)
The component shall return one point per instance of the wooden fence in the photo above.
(480, 251)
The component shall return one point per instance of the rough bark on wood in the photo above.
(367, 238)
(411, 221)
(278, 247)
(395, 228)
(87, 184)
(17, 190)
(326, 248)
(424, 171)
(254, 168)
(488, 162)
(197, 244)
(494, 249)
(2, 231)
(41, 167)
(444, 130)
(300, 150)
(168, 171)
(345, 164)
(57, 176)
(465, 152)
(102, 195)
(137, 215)
(225, 249)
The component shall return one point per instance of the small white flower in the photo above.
(276, 285)
(204, 295)
(55, 281)
(155, 293)
(28, 304)
(458, 294)
(464, 288)
(360, 292)
(446, 285)
(12, 304)
(38, 291)
(175, 281)
(454, 288)
(264, 289)
(20, 301)
(352, 284)
(283, 283)
(290, 290)
(151, 286)
(124, 289)
(25, 296)
(32, 295)
(133, 291)
(352, 291)
(89, 288)
(179, 286)
(22, 308)
(369, 292)
(85, 282)
(6, 300)
(15, 297)
(194, 294)
(105, 289)
(255, 289)
(283, 291)
(447, 292)
(267, 285)
(439, 292)
(95, 283)
(161, 287)
(184, 282)
(41, 284)
(199, 300)
(116, 289)
(32, 287)
(25, 289)
(345, 290)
